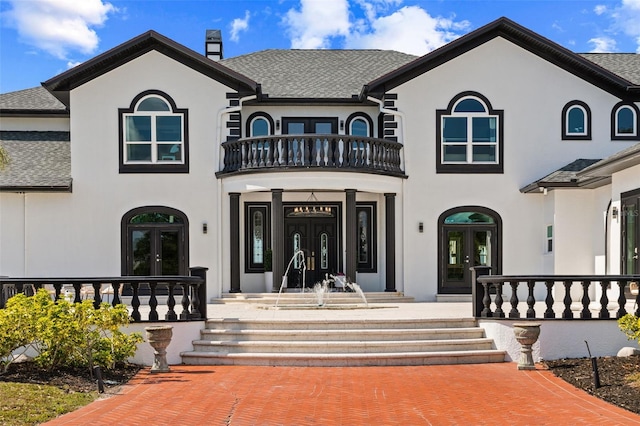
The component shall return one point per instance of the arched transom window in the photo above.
(576, 121)
(625, 121)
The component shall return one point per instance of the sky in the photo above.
(42, 38)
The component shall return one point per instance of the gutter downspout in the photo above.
(384, 110)
(221, 113)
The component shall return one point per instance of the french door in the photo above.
(303, 125)
(155, 250)
(464, 246)
(631, 232)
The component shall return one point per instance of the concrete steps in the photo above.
(295, 297)
(353, 342)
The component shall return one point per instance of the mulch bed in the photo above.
(617, 384)
(69, 379)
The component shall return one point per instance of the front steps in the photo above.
(295, 297)
(356, 342)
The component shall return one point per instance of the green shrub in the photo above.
(66, 334)
(630, 326)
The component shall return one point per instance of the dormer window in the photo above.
(625, 122)
(153, 135)
(576, 121)
(469, 136)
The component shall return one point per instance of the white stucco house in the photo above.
(501, 148)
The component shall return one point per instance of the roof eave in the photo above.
(60, 85)
(517, 34)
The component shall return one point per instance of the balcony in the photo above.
(313, 152)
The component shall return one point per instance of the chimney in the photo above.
(213, 45)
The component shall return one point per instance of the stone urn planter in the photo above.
(526, 334)
(159, 338)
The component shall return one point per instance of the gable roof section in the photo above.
(625, 65)
(61, 84)
(38, 162)
(31, 101)
(521, 36)
(316, 74)
(564, 177)
(621, 160)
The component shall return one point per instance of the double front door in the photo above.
(316, 239)
(465, 246)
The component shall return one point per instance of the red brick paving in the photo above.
(484, 394)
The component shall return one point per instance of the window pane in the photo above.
(155, 217)
(258, 239)
(138, 128)
(169, 128)
(484, 153)
(153, 104)
(469, 217)
(141, 249)
(139, 152)
(363, 244)
(295, 128)
(169, 152)
(575, 122)
(469, 105)
(359, 127)
(484, 129)
(454, 129)
(324, 251)
(260, 127)
(456, 153)
(482, 248)
(296, 249)
(625, 120)
(169, 241)
(323, 128)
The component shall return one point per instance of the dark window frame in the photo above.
(309, 122)
(253, 116)
(371, 265)
(126, 226)
(614, 128)
(566, 136)
(153, 167)
(355, 116)
(250, 207)
(497, 168)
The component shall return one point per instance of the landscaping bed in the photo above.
(619, 378)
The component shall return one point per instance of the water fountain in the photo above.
(321, 291)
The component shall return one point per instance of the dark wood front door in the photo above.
(463, 247)
(317, 237)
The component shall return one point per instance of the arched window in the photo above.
(259, 124)
(469, 136)
(153, 135)
(359, 124)
(576, 121)
(154, 241)
(625, 122)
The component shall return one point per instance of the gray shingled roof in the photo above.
(625, 65)
(564, 176)
(325, 74)
(37, 161)
(34, 99)
(628, 157)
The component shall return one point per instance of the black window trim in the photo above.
(565, 111)
(259, 114)
(614, 127)
(153, 168)
(355, 116)
(249, 207)
(497, 168)
(371, 266)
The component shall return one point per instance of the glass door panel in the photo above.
(141, 250)
(482, 248)
(630, 237)
(169, 255)
(456, 256)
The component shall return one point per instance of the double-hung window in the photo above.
(469, 136)
(153, 135)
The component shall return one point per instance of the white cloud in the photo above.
(238, 25)
(316, 22)
(600, 9)
(626, 20)
(59, 26)
(73, 64)
(603, 45)
(409, 29)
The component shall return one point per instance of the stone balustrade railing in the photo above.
(190, 290)
(566, 297)
(349, 153)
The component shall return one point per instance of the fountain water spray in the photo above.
(303, 263)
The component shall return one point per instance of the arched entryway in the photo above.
(467, 236)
